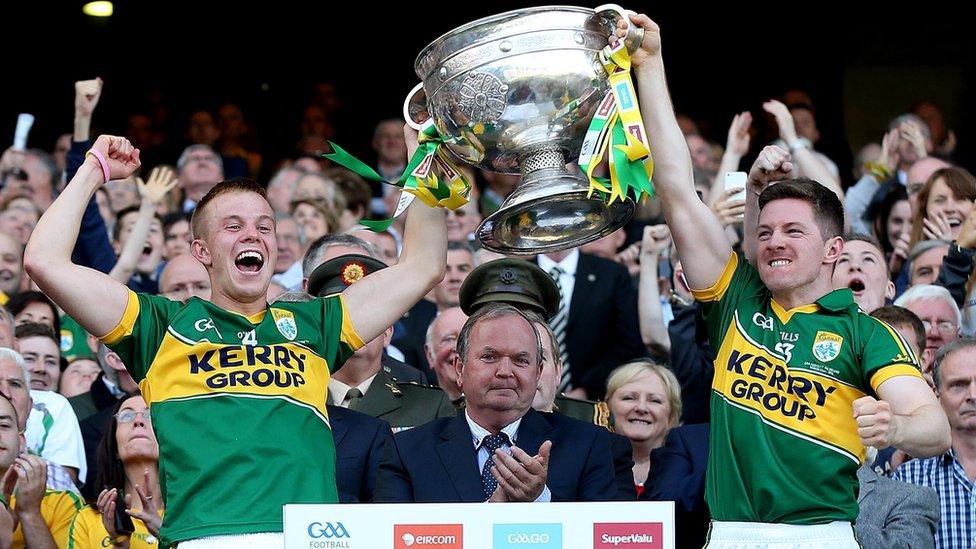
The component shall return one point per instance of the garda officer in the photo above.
(523, 284)
(363, 383)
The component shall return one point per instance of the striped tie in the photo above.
(558, 325)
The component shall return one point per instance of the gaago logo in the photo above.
(434, 536)
(527, 536)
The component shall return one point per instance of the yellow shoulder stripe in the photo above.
(348, 333)
(717, 290)
(126, 323)
(895, 370)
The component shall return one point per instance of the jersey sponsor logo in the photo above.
(826, 346)
(628, 535)
(285, 321)
(749, 376)
(242, 366)
(786, 349)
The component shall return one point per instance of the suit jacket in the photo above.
(359, 440)
(403, 405)
(895, 514)
(678, 474)
(601, 331)
(438, 463)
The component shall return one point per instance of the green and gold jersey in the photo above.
(784, 446)
(238, 407)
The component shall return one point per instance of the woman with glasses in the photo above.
(128, 511)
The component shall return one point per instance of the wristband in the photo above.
(101, 162)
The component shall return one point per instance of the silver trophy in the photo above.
(514, 93)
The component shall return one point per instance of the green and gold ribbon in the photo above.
(618, 127)
(419, 179)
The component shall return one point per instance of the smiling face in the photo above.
(238, 246)
(943, 202)
(43, 359)
(792, 252)
(152, 250)
(861, 268)
(899, 220)
(641, 408)
(135, 439)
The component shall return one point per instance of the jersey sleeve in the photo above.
(59, 510)
(139, 333)
(885, 354)
(339, 338)
(739, 281)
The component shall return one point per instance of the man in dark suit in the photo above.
(499, 449)
(601, 330)
(359, 440)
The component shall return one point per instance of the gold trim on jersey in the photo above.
(803, 403)
(126, 323)
(784, 315)
(348, 333)
(716, 291)
(895, 370)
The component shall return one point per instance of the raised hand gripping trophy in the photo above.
(527, 92)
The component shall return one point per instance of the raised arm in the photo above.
(161, 181)
(377, 301)
(653, 330)
(91, 297)
(698, 235)
(809, 165)
(736, 146)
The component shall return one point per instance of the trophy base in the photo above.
(548, 212)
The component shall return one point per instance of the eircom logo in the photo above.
(428, 536)
(328, 535)
(628, 535)
(527, 536)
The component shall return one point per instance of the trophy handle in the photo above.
(635, 34)
(415, 107)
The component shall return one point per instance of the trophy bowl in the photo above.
(515, 93)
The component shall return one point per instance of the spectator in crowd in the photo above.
(920, 172)
(176, 234)
(52, 427)
(594, 292)
(31, 173)
(291, 248)
(956, 272)
(184, 277)
(364, 383)
(18, 219)
(926, 261)
(944, 203)
(938, 312)
(78, 377)
(281, 187)
(385, 243)
(892, 513)
(11, 266)
(912, 331)
(33, 307)
(237, 139)
(44, 516)
(233, 229)
(391, 159)
(645, 403)
(890, 217)
(794, 252)
(950, 472)
(862, 268)
(357, 194)
(199, 168)
(128, 469)
(463, 222)
(499, 449)
(678, 474)
(314, 218)
(441, 351)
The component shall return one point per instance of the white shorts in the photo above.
(762, 535)
(263, 540)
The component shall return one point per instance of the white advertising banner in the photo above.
(604, 525)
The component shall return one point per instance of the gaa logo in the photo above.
(327, 530)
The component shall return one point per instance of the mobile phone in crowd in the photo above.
(735, 180)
